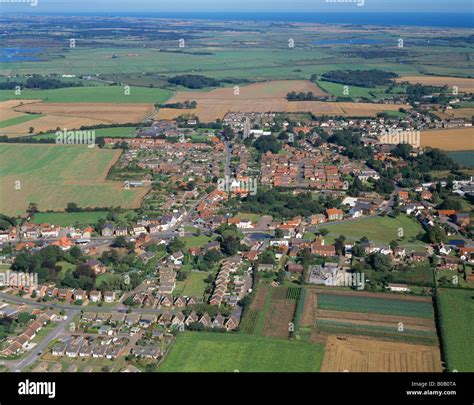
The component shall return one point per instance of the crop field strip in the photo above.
(367, 355)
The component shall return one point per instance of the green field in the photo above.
(229, 352)
(19, 120)
(456, 319)
(464, 158)
(97, 94)
(408, 335)
(354, 303)
(195, 241)
(53, 175)
(69, 218)
(379, 230)
(194, 284)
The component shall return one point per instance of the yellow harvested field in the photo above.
(464, 85)
(466, 113)
(7, 108)
(75, 115)
(266, 97)
(367, 355)
(450, 139)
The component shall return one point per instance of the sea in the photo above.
(454, 20)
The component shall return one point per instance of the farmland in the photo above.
(464, 84)
(378, 305)
(75, 115)
(264, 97)
(217, 352)
(456, 319)
(452, 139)
(95, 94)
(366, 355)
(53, 175)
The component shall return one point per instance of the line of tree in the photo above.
(360, 78)
(194, 81)
(39, 82)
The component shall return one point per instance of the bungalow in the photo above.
(205, 320)
(167, 300)
(449, 263)
(178, 319)
(179, 302)
(398, 288)
(218, 321)
(192, 318)
(231, 323)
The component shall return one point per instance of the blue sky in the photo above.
(185, 6)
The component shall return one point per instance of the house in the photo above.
(449, 263)
(179, 302)
(137, 230)
(265, 267)
(109, 296)
(317, 219)
(218, 321)
(334, 214)
(177, 258)
(192, 318)
(107, 231)
(205, 320)
(321, 250)
(79, 295)
(295, 268)
(178, 319)
(462, 219)
(167, 300)
(419, 257)
(121, 231)
(403, 196)
(231, 323)
(96, 266)
(63, 243)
